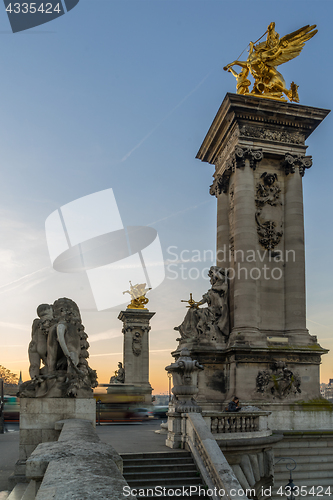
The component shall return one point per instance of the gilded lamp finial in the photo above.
(137, 293)
(191, 303)
(263, 59)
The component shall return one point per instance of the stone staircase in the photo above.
(313, 453)
(22, 491)
(169, 470)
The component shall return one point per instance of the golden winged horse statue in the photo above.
(263, 60)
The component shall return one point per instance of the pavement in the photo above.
(129, 437)
(134, 437)
(9, 452)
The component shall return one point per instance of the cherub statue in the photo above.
(243, 83)
(263, 60)
(38, 346)
(59, 340)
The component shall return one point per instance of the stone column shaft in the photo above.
(245, 238)
(295, 301)
(222, 241)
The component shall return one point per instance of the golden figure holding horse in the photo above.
(263, 59)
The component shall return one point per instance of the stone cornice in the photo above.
(238, 110)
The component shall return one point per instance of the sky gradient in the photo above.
(120, 94)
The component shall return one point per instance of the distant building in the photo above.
(326, 390)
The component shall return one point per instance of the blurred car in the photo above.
(160, 411)
(142, 414)
(113, 412)
(11, 408)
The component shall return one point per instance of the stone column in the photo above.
(245, 238)
(295, 300)
(222, 241)
(136, 346)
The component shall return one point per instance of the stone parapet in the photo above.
(70, 467)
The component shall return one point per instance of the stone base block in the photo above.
(174, 438)
(303, 416)
(39, 415)
(139, 393)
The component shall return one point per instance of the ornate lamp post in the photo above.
(169, 377)
(290, 484)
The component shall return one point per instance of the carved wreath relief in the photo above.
(268, 213)
(136, 343)
(280, 381)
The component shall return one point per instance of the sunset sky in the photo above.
(120, 94)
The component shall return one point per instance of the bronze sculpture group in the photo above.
(263, 60)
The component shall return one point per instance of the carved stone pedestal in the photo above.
(259, 152)
(38, 417)
(136, 350)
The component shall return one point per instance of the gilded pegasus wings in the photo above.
(288, 47)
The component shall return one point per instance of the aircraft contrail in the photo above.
(23, 277)
(165, 118)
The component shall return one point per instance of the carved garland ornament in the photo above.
(268, 193)
(136, 343)
(272, 135)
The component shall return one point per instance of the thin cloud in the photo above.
(180, 212)
(102, 336)
(319, 324)
(15, 326)
(27, 276)
(127, 155)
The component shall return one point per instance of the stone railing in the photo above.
(227, 425)
(78, 466)
(214, 468)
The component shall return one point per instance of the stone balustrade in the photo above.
(228, 425)
(210, 460)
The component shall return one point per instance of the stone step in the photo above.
(167, 470)
(308, 497)
(304, 443)
(18, 491)
(4, 495)
(307, 474)
(175, 482)
(30, 492)
(305, 459)
(308, 482)
(157, 455)
(309, 452)
(310, 466)
(161, 474)
(155, 467)
(158, 497)
(162, 461)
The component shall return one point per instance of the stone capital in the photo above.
(291, 161)
(237, 159)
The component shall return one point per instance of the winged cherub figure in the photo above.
(264, 58)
